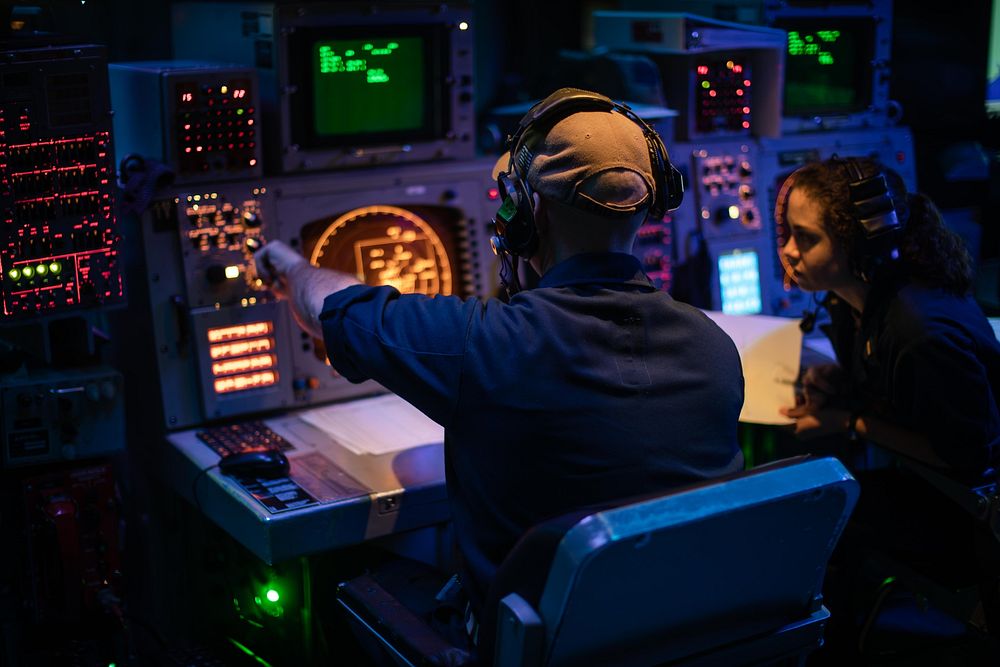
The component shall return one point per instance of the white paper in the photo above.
(379, 425)
(770, 349)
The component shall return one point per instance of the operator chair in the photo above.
(724, 572)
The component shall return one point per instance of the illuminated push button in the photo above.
(14, 274)
(252, 244)
(55, 268)
(42, 269)
(28, 272)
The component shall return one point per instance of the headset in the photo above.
(515, 232)
(879, 226)
(879, 223)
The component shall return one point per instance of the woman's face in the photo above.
(817, 262)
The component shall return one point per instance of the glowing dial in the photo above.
(386, 245)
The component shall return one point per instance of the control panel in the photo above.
(200, 118)
(59, 238)
(724, 189)
(69, 414)
(721, 98)
(654, 246)
(218, 232)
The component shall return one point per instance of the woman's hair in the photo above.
(930, 253)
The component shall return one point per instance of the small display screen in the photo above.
(361, 85)
(739, 283)
(368, 85)
(828, 66)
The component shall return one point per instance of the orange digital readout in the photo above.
(239, 331)
(240, 348)
(244, 364)
(242, 382)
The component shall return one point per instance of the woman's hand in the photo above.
(813, 418)
(815, 423)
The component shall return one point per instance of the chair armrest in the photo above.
(520, 634)
(399, 630)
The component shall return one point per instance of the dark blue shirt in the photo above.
(592, 387)
(928, 361)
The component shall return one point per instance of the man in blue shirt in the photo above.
(591, 387)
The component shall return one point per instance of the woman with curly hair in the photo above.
(918, 372)
(919, 364)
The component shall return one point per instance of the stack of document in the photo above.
(379, 425)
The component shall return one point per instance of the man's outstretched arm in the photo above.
(290, 276)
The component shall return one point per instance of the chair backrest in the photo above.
(699, 567)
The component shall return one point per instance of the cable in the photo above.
(194, 484)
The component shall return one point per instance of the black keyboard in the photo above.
(244, 437)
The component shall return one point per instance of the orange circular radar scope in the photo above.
(386, 245)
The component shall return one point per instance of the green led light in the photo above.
(41, 269)
(706, 84)
(14, 274)
(272, 595)
(28, 272)
(239, 112)
(55, 268)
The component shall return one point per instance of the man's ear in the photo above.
(540, 212)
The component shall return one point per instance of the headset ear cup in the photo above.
(876, 219)
(517, 233)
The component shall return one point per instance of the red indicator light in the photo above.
(711, 93)
(746, 124)
(737, 68)
(739, 91)
(746, 109)
(900, 157)
(493, 194)
(746, 83)
(702, 69)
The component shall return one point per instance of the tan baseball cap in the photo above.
(594, 160)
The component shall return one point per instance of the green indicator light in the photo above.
(272, 595)
(706, 84)
(55, 268)
(14, 274)
(368, 47)
(349, 52)
(28, 272)
(392, 45)
(41, 269)
(239, 112)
